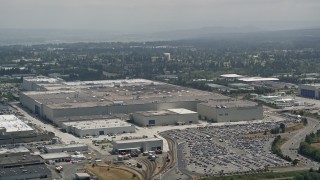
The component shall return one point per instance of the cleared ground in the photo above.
(110, 173)
(316, 145)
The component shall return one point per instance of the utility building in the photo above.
(98, 127)
(150, 144)
(165, 117)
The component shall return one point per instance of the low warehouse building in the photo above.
(38, 171)
(23, 167)
(98, 127)
(12, 125)
(56, 157)
(165, 117)
(55, 148)
(9, 151)
(150, 144)
(82, 176)
(230, 111)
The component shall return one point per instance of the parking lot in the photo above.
(215, 150)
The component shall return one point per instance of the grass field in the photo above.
(111, 173)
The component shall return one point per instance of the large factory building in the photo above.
(230, 111)
(61, 102)
(310, 90)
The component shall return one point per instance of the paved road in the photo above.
(291, 146)
(181, 161)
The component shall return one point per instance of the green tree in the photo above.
(283, 127)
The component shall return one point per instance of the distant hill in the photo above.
(29, 36)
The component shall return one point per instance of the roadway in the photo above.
(181, 161)
(290, 147)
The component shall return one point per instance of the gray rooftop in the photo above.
(128, 93)
(95, 124)
(137, 140)
(20, 171)
(59, 146)
(230, 104)
(14, 160)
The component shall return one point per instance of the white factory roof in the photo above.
(254, 79)
(111, 82)
(13, 124)
(43, 79)
(20, 149)
(166, 112)
(54, 155)
(182, 111)
(313, 85)
(231, 76)
(97, 124)
(61, 146)
(137, 140)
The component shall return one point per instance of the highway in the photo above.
(291, 146)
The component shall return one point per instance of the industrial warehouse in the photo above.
(143, 102)
(16, 130)
(309, 90)
(98, 127)
(230, 111)
(165, 117)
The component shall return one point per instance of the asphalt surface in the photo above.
(181, 161)
(291, 146)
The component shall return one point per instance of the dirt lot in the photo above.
(291, 128)
(111, 173)
(294, 127)
(316, 145)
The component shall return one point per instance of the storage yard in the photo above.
(216, 150)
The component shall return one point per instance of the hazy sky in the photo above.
(157, 15)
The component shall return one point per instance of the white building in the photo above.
(168, 56)
(98, 127)
(165, 117)
(10, 124)
(35, 83)
(230, 111)
(150, 144)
